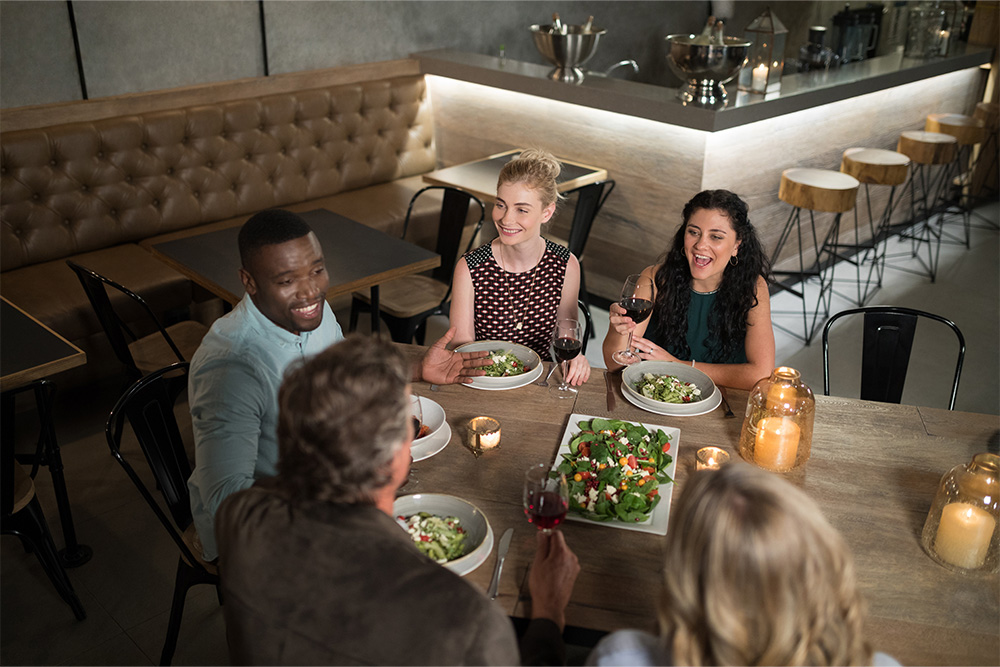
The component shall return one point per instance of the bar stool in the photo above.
(968, 132)
(871, 166)
(926, 150)
(984, 171)
(815, 190)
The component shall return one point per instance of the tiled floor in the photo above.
(126, 588)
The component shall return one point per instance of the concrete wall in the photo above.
(135, 46)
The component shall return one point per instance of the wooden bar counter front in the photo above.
(874, 470)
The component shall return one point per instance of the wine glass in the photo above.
(637, 300)
(546, 498)
(567, 341)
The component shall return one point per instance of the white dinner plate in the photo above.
(525, 354)
(657, 521)
(706, 406)
(432, 444)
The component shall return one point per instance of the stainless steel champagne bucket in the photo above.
(566, 51)
(705, 67)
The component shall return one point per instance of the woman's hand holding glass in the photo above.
(578, 371)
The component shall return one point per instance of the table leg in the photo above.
(74, 554)
(376, 317)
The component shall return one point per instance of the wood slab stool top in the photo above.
(875, 166)
(989, 113)
(966, 129)
(927, 147)
(818, 189)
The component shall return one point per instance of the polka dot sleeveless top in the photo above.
(498, 315)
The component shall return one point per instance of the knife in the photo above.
(609, 380)
(501, 554)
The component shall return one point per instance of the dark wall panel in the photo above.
(137, 46)
(37, 63)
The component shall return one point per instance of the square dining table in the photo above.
(873, 470)
(30, 353)
(357, 257)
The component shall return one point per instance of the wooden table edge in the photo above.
(20, 378)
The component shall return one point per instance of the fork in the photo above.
(544, 382)
(729, 411)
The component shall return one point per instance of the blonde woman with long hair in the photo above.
(754, 575)
(515, 287)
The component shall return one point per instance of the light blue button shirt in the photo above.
(233, 393)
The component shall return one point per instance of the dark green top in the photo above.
(697, 332)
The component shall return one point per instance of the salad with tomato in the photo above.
(668, 389)
(615, 469)
(505, 364)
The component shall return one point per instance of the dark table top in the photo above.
(357, 256)
(480, 177)
(31, 350)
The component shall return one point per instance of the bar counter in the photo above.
(661, 152)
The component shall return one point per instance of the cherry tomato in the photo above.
(632, 462)
(584, 449)
(577, 477)
(666, 448)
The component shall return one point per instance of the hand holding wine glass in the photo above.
(567, 342)
(546, 499)
(637, 302)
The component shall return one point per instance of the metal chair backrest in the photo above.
(589, 202)
(119, 334)
(885, 355)
(450, 227)
(148, 406)
(588, 323)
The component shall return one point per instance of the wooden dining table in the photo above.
(874, 470)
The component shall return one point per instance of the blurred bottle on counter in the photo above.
(814, 54)
(705, 36)
(589, 25)
(718, 39)
(557, 27)
(893, 37)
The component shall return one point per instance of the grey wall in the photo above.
(137, 46)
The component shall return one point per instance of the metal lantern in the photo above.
(762, 72)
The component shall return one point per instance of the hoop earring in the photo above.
(734, 260)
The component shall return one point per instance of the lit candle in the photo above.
(964, 535)
(483, 433)
(759, 81)
(710, 458)
(777, 443)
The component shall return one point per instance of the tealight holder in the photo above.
(482, 434)
(961, 530)
(710, 458)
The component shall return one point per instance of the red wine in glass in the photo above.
(567, 343)
(546, 498)
(546, 509)
(567, 348)
(637, 302)
(637, 309)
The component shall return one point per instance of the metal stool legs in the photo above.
(798, 281)
(870, 252)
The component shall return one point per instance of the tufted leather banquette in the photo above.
(94, 191)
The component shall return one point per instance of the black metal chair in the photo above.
(588, 324)
(406, 303)
(139, 355)
(22, 516)
(888, 340)
(148, 406)
(590, 200)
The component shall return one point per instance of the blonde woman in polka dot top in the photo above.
(516, 287)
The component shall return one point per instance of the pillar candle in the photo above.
(781, 397)
(759, 81)
(777, 443)
(964, 534)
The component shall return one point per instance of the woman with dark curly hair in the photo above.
(710, 301)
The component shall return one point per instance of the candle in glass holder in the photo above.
(964, 534)
(777, 443)
(758, 84)
(483, 433)
(710, 458)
